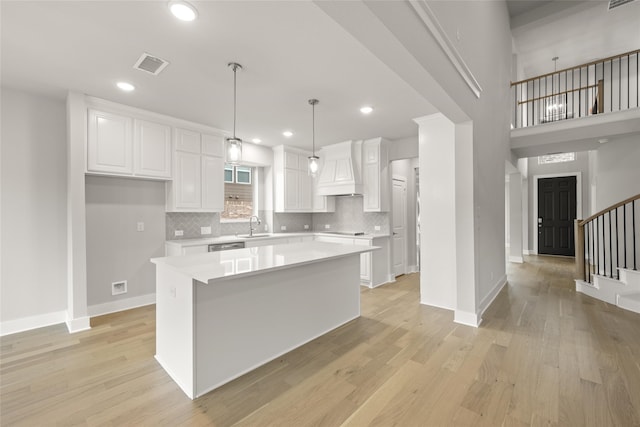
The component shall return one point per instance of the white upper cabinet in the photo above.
(375, 175)
(198, 184)
(122, 144)
(152, 149)
(293, 187)
(109, 143)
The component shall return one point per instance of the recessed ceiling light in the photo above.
(256, 140)
(366, 110)
(287, 133)
(183, 10)
(127, 87)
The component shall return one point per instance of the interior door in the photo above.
(399, 213)
(556, 213)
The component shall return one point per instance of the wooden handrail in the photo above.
(610, 208)
(577, 66)
(556, 94)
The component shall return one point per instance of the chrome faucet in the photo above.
(251, 229)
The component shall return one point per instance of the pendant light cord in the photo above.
(234, 101)
(313, 128)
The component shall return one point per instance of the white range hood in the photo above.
(341, 169)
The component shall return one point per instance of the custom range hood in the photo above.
(341, 170)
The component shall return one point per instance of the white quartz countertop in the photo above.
(211, 266)
(262, 236)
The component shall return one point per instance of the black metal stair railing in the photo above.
(609, 240)
(602, 86)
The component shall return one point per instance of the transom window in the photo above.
(556, 158)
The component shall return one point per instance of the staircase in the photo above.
(623, 292)
(608, 255)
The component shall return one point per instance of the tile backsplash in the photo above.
(348, 216)
(190, 223)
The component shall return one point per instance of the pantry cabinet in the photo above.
(375, 175)
(293, 187)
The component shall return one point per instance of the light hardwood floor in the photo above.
(544, 355)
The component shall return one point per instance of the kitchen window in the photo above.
(239, 193)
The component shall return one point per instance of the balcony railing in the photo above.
(603, 86)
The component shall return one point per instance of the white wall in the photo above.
(617, 174)
(34, 201)
(115, 249)
(580, 166)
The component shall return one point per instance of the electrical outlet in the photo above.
(283, 228)
(205, 230)
(327, 226)
(306, 226)
(140, 226)
(118, 288)
(172, 291)
(377, 228)
(179, 233)
(266, 227)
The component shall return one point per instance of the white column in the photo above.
(447, 240)
(515, 215)
(77, 317)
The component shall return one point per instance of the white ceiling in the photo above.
(291, 51)
(576, 32)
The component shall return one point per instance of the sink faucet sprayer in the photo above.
(251, 229)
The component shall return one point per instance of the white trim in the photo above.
(578, 176)
(403, 180)
(430, 20)
(412, 269)
(78, 325)
(32, 322)
(526, 252)
(121, 305)
(491, 296)
(467, 318)
(517, 259)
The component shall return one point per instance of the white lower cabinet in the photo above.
(374, 266)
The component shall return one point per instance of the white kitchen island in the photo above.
(222, 314)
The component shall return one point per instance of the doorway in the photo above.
(399, 208)
(557, 209)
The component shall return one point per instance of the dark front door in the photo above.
(556, 212)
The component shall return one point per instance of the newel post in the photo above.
(579, 249)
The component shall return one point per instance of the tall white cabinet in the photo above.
(375, 175)
(198, 184)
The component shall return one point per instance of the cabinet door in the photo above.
(200, 249)
(187, 140)
(291, 189)
(152, 149)
(213, 145)
(187, 181)
(371, 187)
(213, 183)
(365, 267)
(110, 143)
(305, 191)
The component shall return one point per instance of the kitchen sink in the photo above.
(246, 236)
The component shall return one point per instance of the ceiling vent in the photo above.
(615, 3)
(150, 64)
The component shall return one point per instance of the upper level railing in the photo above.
(609, 240)
(602, 86)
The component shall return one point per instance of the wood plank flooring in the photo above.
(544, 355)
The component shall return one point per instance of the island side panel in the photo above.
(174, 326)
(246, 322)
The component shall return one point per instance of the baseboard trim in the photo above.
(517, 259)
(121, 305)
(412, 269)
(467, 318)
(491, 296)
(79, 324)
(526, 252)
(9, 327)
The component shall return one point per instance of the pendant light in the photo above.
(313, 159)
(233, 144)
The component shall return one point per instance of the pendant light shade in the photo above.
(233, 144)
(314, 161)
